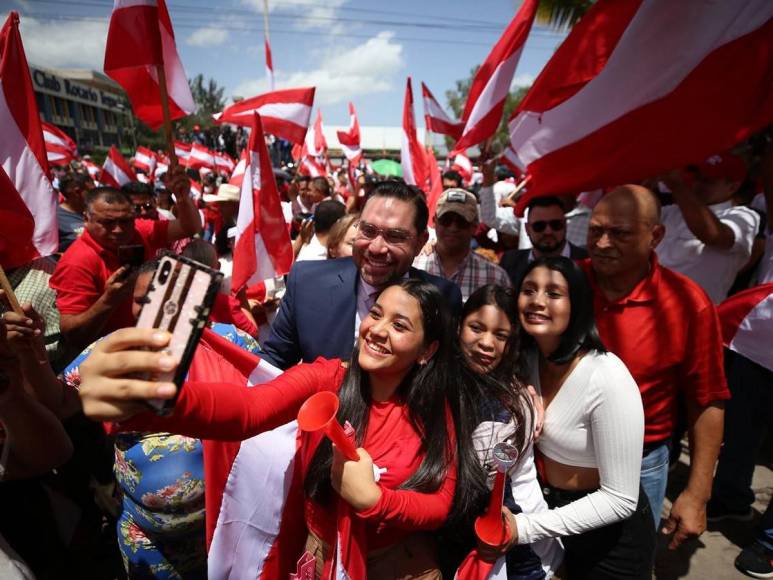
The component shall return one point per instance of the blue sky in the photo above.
(359, 50)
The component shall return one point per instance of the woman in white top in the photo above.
(590, 449)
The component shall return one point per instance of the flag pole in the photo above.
(268, 41)
(167, 117)
(5, 284)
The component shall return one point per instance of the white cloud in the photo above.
(522, 80)
(309, 13)
(342, 73)
(207, 36)
(63, 43)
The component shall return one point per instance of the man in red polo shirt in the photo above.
(666, 330)
(93, 288)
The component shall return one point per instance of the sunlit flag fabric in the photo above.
(237, 176)
(116, 171)
(201, 157)
(262, 249)
(93, 169)
(60, 148)
(491, 85)
(510, 158)
(285, 113)
(435, 185)
(747, 324)
(195, 189)
(436, 118)
(224, 163)
(27, 199)
(412, 154)
(463, 165)
(643, 86)
(311, 167)
(182, 151)
(139, 39)
(350, 140)
(315, 142)
(145, 160)
(269, 65)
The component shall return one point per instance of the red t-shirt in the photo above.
(217, 411)
(227, 309)
(80, 276)
(667, 333)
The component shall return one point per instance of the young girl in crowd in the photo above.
(400, 393)
(488, 337)
(591, 443)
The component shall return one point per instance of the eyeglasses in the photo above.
(392, 236)
(555, 225)
(147, 206)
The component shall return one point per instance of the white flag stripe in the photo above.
(407, 160)
(434, 110)
(176, 80)
(657, 72)
(30, 181)
(291, 112)
(111, 168)
(498, 84)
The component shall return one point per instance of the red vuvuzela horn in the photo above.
(490, 527)
(319, 413)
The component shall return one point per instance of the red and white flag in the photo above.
(435, 117)
(224, 163)
(116, 171)
(510, 158)
(491, 85)
(747, 324)
(139, 39)
(27, 199)
(284, 113)
(145, 160)
(462, 164)
(163, 163)
(476, 568)
(269, 65)
(642, 86)
(237, 176)
(201, 157)
(412, 155)
(311, 167)
(435, 185)
(195, 190)
(60, 149)
(182, 151)
(315, 142)
(93, 169)
(262, 248)
(350, 140)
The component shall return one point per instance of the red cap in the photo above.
(724, 166)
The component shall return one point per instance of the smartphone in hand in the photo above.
(179, 300)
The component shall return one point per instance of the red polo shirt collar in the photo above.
(645, 291)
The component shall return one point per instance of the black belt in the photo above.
(649, 447)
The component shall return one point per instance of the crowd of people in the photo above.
(586, 333)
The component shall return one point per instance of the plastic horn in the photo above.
(490, 528)
(319, 413)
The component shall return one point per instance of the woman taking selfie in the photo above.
(400, 395)
(591, 443)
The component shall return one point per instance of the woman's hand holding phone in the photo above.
(109, 391)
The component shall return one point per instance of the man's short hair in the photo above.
(202, 251)
(108, 195)
(413, 195)
(326, 214)
(322, 184)
(547, 201)
(298, 178)
(454, 175)
(72, 180)
(137, 188)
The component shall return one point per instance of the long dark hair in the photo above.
(429, 391)
(581, 334)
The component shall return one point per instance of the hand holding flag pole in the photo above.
(490, 527)
(5, 285)
(319, 413)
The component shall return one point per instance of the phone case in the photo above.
(179, 300)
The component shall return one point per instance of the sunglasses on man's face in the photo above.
(138, 207)
(555, 225)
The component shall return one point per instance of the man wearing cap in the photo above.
(456, 219)
(707, 238)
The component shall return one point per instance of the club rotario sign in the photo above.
(47, 82)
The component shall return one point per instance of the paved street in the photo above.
(712, 556)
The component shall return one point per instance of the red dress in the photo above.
(229, 412)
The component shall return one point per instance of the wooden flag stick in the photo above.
(519, 188)
(167, 117)
(9, 293)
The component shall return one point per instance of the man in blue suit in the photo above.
(326, 300)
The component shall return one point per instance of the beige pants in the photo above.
(411, 559)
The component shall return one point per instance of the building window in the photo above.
(111, 121)
(60, 110)
(88, 116)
